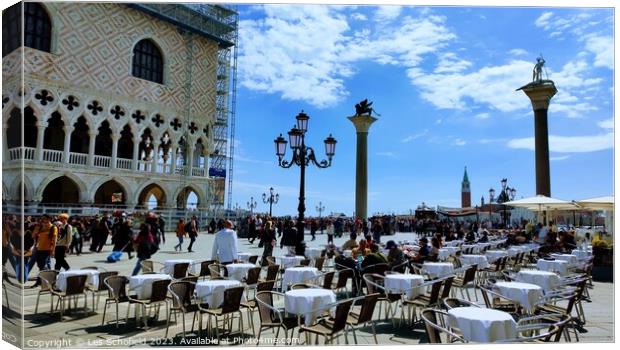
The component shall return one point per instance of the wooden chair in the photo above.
(319, 262)
(204, 268)
(423, 300)
(179, 270)
(328, 278)
(330, 328)
(343, 277)
(182, 294)
(252, 304)
(48, 283)
(76, 286)
(434, 325)
(101, 287)
(231, 305)
(462, 283)
(375, 284)
(117, 294)
(158, 297)
(272, 317)
(364, 316)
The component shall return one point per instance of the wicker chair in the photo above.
(204, 268)
(469, 278)
(76, 285)
(423, 300)
(48, 283)
(319, 262)
(252, 304)
(179, 270)
(158, 296)
(253, 259)
(451, 303)
(181, 293)
(117, 293)
(364, 316)
(101, 287)
(231, 305)
(272, 317)
(305, 262)
(434, 324)
(332, 327)
(328, 278)
(151, 266)
(218, 270)
(375, 284)
(343, 277)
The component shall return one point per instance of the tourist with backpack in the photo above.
(146, 241)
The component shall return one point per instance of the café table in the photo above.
(526, 294)
(92, 278)
(472, 259)
(453, 250)
(444, 254)
(290, 261)
(569, 258)
(493, 255)
(474, 248)
(347, 253)
(142, 285)
(454, 243)
(313, 253)
(483, 325)
(309, 302)
(244, 257)
(169, 265)
(212, 291)
(238, 271)
(581, 254)
(545, 279)
(403, 283)
(559, 266)
(294, 275)
(438, 269)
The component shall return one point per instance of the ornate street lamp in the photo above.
(302, 156)
(252, 205)
(320, 208)
(491, 198)
(506, 195)
(271, 200)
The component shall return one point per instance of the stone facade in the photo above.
(88, 74)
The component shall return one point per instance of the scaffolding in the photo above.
(218, 23)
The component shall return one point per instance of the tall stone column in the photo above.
(155, 158)
(362, 124)
(540, 94)
(67, 146)
(40, 136)
(136, 154)
(115, 138)
(92, 136)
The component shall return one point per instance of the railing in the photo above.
(198, 172)
(122, 163)
(181, 170)
(18, 153)
(102, 161)
(145, 165)
(163, 168)
(78, 158)
(50, 155)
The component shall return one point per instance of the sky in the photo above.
(443, 81)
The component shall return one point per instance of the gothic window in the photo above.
(37, 29)
(147, 62)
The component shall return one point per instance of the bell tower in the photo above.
(465, 191)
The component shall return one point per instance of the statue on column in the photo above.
(537, 73)
(364, 108)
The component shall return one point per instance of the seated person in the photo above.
(439, 239)
(365, 243)
(351, 243)
(424, 251)
(470, 237)
(434, 253)
(395, 255)
(375, 257)
(567, 242)
(485, 237)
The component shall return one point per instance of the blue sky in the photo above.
(443, 80)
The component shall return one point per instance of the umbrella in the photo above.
(598, 203)
(541, 203)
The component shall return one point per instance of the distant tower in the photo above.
(465, 191)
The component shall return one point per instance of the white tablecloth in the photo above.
(581, 254)
(454, 243)
(397, 283)
(142, 285)
(238, 271)
(290, 261)
(313, 253)
(475, 248)
(514, 250)
(559, 266)
(169, 265)
(212, 291)
(435, 269)
(294, 275)
(61, 280)
(244, 257)
(483, 325)
(569, 258)
(444, 254)
(531, 247)
(303, 301)
(526, 294)
(493, 255)
(482, 246)
(347, 253)
(479, 260)
(452, 250)
(545, 279)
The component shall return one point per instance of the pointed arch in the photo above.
(183, 192)
(152, 188)
(129, 194)
(81, 186)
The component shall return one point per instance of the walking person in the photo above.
(124, 236)
(330, 232)
(7, 248)
(23, 246)
(162, 229)
(77, 241)
(268, 239)
(45, 235)
(289, 237)
(180, 231)
(64, 241)
(313, 228)
(225, 245)
(146, 243)
(191, 228)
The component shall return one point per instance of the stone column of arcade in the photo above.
(540, 94)
(362, 124)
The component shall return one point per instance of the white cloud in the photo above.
(558, 158)
(387, 13)
(241, 158)
(450, 63)
(482, 116)
(359, 16)
(606, 124)
(460, 142)
(414, 136)
(576, 24)
(543, 20)
(603, 49)
(386, 154)
(518, 52)
(568, 144)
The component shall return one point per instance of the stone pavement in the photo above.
(79, 330)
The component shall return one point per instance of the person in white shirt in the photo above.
(225, 245)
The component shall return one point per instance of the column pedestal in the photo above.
(362, 124)
(540, 94)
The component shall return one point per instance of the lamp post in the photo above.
(491, 197)
(252, 205)
(271, 200)
(237, 209)
(320, 208)
(506, 195)
(302, 156)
